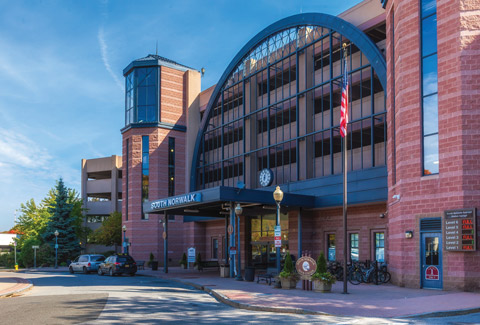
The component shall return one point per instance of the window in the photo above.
(429, 87)
(145, 171)
(171, 166)
(354, 247)
(83, 258)
(331, 247)
(141, 96)
(380, 246)
(215, 248)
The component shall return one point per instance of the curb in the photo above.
(11, 293)
(222, 298)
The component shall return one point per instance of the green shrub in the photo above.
(183, 261)
(198, 260)
(321, 264)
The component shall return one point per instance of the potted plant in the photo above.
(183, 261)
(322, 279)
(288, 277)
(153, 264)
(198, 262)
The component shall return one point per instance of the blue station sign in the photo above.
(176, 201)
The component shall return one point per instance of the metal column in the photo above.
(165, 242)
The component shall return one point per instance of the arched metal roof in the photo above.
(366, 46)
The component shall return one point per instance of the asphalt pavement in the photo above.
(62, 298)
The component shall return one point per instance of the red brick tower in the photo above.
(158, 93)
(432, 57)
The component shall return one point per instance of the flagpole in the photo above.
(345, 161)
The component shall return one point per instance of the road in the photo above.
(62, 298)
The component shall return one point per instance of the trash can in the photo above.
(250, 273)
(154, 265)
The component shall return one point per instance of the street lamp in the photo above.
(56, 247)
(238, 212)
(278, 197)
(124, 228)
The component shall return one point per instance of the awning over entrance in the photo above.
(209, 202)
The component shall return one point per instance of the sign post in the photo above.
(278, 236)
(35, 256)
(191, 256)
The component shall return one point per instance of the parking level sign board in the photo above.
(460, 230)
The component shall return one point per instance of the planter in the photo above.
(224, 271)
(320, 286)
(288, 283)
(154, 265)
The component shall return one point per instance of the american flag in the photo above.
(344, 107)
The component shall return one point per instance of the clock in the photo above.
(266, 177)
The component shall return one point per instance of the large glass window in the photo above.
(280, 109)
(141, 101)
(429, 88)
(380, 246)
(145, 171)
(354, 247)
(331, 247)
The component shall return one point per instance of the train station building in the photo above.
(190, 157)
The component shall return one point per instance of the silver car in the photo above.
(86, 263)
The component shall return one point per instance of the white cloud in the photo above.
(106, 63)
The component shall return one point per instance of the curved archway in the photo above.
(334, 24)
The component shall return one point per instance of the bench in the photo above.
(268, 276)
(140, 264)
(208, 264)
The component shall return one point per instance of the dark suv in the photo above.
(118, 264)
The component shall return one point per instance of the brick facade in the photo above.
(457, 184)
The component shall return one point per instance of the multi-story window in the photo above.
(141, 96)
(171, 166)
(145, 171)
(280, 109)
(354, 247)
(126, 177)
(380, 246)
(215, 248)
(331, 247)
(429, 87)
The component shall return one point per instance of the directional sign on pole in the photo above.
(35, 247)
(233, 250)
(278, 236)
(278, 231)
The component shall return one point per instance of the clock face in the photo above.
(266, 177)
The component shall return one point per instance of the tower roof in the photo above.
(155, 60)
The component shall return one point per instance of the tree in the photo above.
(62, 220)
(110, 232)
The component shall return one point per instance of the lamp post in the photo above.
(238, 212)
(278, 197)
(124, 228)
(56, 248)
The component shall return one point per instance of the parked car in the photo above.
(86, 263)
(118, 264)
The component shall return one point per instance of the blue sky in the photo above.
(61, 82)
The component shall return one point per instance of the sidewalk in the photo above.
(12, 285)
(363, 300)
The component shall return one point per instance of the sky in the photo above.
(61, 81)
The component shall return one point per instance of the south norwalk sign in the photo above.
(176, 201)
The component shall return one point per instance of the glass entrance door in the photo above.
(431, 259)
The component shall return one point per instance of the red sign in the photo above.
(431, 273)
(278, 237)
(278, 243)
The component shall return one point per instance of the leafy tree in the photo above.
(110, 232)
(26, 256)
(61, 220)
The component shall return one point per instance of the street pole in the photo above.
(15, 247)
(238, 212)
(278, 197)
(124, 228)
(56, 248)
